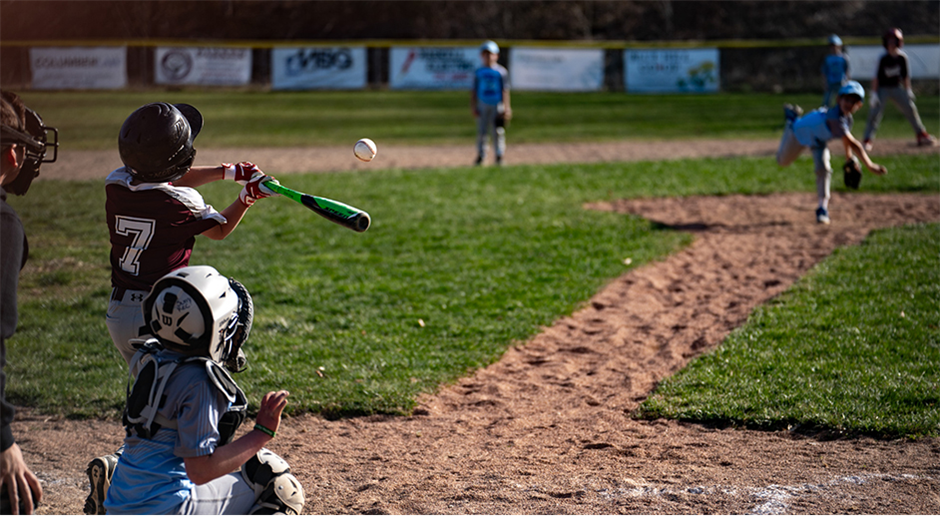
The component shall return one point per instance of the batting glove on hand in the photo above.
(252, 191)
(240, 173)
(874, 100)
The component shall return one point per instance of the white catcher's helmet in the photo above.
(197, 309)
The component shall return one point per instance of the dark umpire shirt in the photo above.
(13, 253)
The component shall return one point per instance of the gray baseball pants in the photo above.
(228, 494)
(487, 122)
(790, 149)
(903, 101)
(125, 320)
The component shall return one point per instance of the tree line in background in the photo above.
(538, 20)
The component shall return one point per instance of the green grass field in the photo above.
(484, 257)
(281, 119)
(854, 346)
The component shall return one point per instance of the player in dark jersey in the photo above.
(892, 82)
(154, 212)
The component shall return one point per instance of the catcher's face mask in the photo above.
(36, 141)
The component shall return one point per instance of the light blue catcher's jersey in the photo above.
(150, 477)
(818, 127)
(489, 83)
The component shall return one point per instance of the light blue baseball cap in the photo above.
(852, 88)
(835, 40)
(489, 46)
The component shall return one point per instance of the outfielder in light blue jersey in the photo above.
(835, 70)
(815, 130)
(489, 101)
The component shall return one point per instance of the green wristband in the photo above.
(265, 429)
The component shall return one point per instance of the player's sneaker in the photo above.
(100, 471)
(479, 161)
(867, 145)
(499, 160)
(791, 112)
(822, 215)
(924, 139)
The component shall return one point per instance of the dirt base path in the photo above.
(547, 428)
(79, 164)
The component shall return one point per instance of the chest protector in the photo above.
(145, 396)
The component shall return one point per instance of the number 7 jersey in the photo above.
(152, 227)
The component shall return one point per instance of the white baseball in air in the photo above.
(365, 149)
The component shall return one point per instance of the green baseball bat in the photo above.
(334, 211)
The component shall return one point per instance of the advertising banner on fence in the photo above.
(672, 70)
(420, 68)
(207, 66)
(923, 60)
(336, 68)
(78, 68)
(556, 69)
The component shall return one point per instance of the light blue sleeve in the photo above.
(199, 406)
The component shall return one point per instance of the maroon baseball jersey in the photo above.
(152, 228)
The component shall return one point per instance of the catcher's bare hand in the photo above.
(272, 405)
(878, 170)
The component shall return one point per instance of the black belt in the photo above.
(117, 294)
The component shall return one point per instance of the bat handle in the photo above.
(270, 190)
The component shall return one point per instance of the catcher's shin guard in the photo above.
(277, 491)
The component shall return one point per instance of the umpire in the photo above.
(22, 151)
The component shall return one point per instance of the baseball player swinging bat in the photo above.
(334, 211)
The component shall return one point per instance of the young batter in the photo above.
(153, 211)
(815, 129)
(184, 409)
(893, 82)
(489, 102)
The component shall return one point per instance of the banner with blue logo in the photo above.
(432, 68)
(312, 68)
(679, 70)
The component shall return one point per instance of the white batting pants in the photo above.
(125, 320)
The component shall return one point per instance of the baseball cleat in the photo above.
(822, 215)
(100, 471)
(499, 160)
(926, 140)
(479, 161)
(791, 112)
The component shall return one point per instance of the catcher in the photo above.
(815, 130)
(184, 409)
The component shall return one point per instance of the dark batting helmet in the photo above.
(156, 141)
(895, 34)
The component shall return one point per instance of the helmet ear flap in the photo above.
(236, 360)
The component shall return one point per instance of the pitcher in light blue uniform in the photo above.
(835, 70)
(489, 102)
(815, 129)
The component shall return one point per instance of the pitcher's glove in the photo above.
(852, 173)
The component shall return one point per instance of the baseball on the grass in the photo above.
(365, 149)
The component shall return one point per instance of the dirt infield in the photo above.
(80, 164)
(547, 428)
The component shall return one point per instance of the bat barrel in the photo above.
(363, 221)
